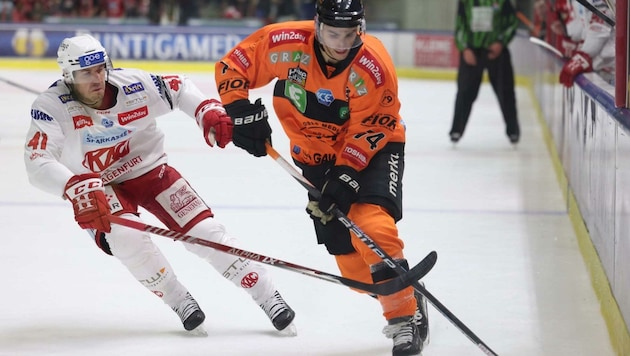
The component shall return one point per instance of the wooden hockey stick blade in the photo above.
(545, 45)
(386, 288)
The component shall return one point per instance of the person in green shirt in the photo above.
(483, 30)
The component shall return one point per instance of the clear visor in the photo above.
(339, 38)
(95, 74)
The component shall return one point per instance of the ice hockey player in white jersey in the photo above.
(596, 53)
(94, 141)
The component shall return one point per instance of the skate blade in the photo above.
(289, 331)
(199, 331)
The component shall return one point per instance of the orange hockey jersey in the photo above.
(345, 114)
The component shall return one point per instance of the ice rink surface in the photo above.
(508, 265)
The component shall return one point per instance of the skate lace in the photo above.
(401, 333)
(186, 307)
(274, 306)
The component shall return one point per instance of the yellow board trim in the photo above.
(617, 328)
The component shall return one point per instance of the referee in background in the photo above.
(483, 30)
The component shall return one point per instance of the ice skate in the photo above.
(191, 315)
(421, 318)
(404, 332)
(280, 314)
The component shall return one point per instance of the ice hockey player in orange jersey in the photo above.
(336, 97)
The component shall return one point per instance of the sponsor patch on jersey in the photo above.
(374, 69)
(355, 155)
(358, 82)
(107, 122)
(100, 159)
(241, 59)
(344, 113)
(108, 137)
(64, 98)
(289, 57)
(81, 121)
(38, 115)
(232, 84)
(324, 96)
(388, 98)
(121, 169)
(296, 94)
(181, 202)
(137, 101)
(133, 115)
(77, 109)
(280, 37)
(133, 88)
(381, 120)
(297, 75)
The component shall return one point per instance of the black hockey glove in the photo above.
(340, 190)
(251, 126)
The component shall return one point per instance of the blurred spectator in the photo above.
(237, 9)
(29, 10)
(271, 11)
(597, 49)
(112, 8)
(307, 10)
(187, 9)
(556, 17)
(6, 7)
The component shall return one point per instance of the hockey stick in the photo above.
(545, 45)
(533, 29)
(20, 86)
(385, 288)
(380, 252)
(597, 12)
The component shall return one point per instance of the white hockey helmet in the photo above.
(80, 52)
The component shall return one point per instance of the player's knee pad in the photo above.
(208, 229)
(130, 246)
(382, 271)
(335, 236)
(353, 266)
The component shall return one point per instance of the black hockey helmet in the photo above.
(341, 13)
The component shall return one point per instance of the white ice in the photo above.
(509, 266)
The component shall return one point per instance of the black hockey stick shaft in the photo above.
(597, 12)
(386, 288)
(380, 252)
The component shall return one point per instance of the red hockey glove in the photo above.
(87, 195)
(215, 123)
(340, 190)
(579, 63)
